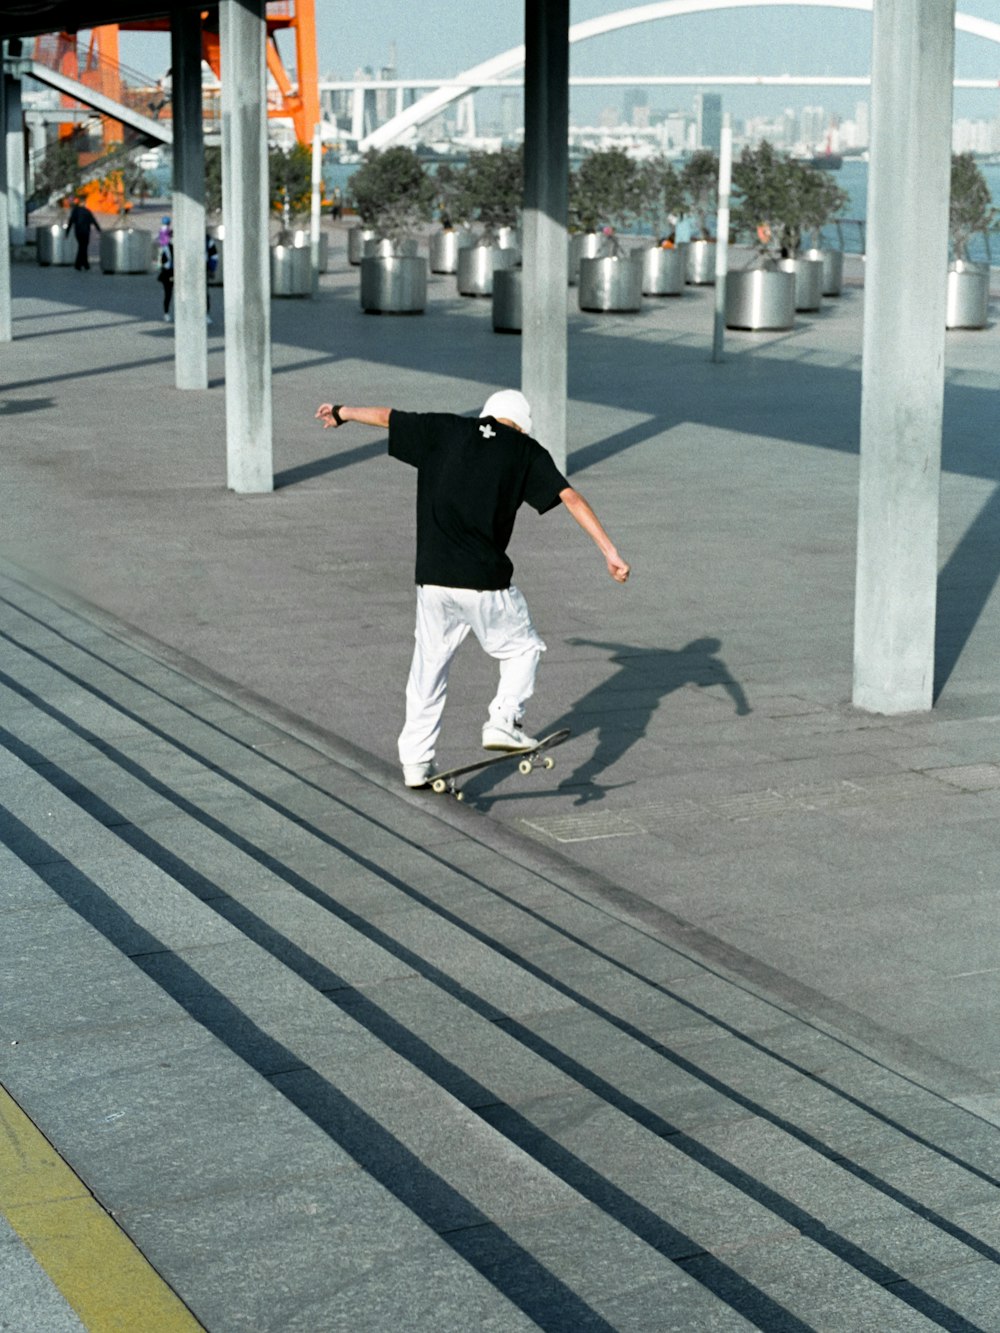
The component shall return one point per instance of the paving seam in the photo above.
(900, 1054)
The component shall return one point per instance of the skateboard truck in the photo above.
(527, 762)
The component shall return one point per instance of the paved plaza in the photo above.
(699, 1031)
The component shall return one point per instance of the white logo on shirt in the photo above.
(487, 431)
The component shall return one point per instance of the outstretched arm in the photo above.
(618, 568)
(367, 416)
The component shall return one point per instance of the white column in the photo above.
(244, 209)
(903, 354)
(14, 135)
(546, 185)
(6, 320)
(722, 236)
(190, 279)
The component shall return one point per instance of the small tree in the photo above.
(490, 190)
(700, 179)
(392, 192)
(290, 182)
(213, 181)
(780, 200)
(59, 173)
(126, 184)
(971, 208)
(606, 188)
(660, 194)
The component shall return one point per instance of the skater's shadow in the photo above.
(618, 711)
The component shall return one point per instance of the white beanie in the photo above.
(509, 405)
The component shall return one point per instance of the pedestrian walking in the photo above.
(472, 477)
(80, 222)
(165, 273)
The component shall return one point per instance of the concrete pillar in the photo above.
(546, 185)
(244, 210)
(190, 280)
(16, 182)
(6, 320)
(903, 354)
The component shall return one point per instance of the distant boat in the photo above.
(827, 161)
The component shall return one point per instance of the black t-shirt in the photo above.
(472, 477)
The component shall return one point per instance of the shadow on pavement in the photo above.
(619, 710)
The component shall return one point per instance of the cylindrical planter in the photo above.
(356, 238)
(584, 245)
(833, 269)
(126, 250)
(476, 265)
(700, 265)
(610, 285)
(759, 299)
(301, 238)
(380, 247)
(808, 274)
(393, 284)
(968, 301)
(507, 300)
(53, 246)
(443, 249)
(291, 270)
(662, 272)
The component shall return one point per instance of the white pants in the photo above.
(502, 624)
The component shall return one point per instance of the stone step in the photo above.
(580, 1118)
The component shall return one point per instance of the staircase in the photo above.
(338, 1057)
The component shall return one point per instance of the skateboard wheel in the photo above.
(460, 796)
(439, 785)
(525, 766)
(548, 762)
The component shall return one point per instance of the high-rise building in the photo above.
(708, 121)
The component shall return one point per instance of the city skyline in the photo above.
(430, 43)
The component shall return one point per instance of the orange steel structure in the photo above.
(97, 65)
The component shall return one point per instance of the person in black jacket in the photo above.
(472, 477)
(81, 220)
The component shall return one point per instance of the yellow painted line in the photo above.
(86, 1255)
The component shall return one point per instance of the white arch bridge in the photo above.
(500, 67)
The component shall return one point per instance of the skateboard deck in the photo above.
(527, 761)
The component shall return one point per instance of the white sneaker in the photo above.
(168, 318)
(500, 735)
(419, 775)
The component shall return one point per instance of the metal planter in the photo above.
(968, 300)
(476, 266)
(443, 249)
(380, 247)
(700, 265)
(127, 250)
(356, 238)
(662, 272)
(393, 284)
(291, 270)
(507, 288)
(760, 299)
(808, 274)
(303, 239)
(584, 245)
(833, 269)
(611, 285)
(53, 246)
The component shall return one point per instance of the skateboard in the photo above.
(527, 761)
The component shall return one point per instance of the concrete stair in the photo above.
(335, 1059)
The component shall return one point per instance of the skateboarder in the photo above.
(472, 477)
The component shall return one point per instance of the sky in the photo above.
(437, 39)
